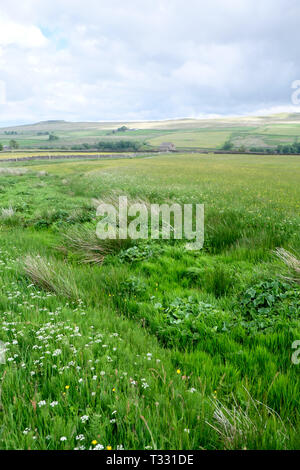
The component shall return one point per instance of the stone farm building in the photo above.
(167, 147)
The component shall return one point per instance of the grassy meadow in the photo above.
(145, 345)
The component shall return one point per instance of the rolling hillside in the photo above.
(249, 132)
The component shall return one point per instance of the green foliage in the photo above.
(185, 322)
(228, 145)
(118, 145)
(218, 280)
(13, 144)
(288, 148)
(120, 129)
(53, 137)
(139, 252)
(268, 304)
(132, 287)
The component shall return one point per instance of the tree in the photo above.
(13, 144)
(118, 145)
(227, 145)
(53, 137)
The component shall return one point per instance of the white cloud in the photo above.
(16, 34)
(154, 59)
(2, 92)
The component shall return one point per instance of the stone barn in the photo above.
(167, 147)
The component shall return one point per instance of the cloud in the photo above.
(157, 59)
(2, 92)
(19, 35)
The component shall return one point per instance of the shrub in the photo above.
(118, 145)
(228, 145)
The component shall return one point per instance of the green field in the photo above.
(157, 347)
(249, 132)
(204, 138)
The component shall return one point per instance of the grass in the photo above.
(88, 247)
(154, 346)
(43, 274)
(291, 262)
(199, 138)
(22, 154)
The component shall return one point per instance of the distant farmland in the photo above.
(249, 133)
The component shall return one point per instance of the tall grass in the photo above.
(49, 275)
(292, 262)
(13, 171)
(85, 243)
(239, 426)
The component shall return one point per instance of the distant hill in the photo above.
(56, 124)
(243, 132)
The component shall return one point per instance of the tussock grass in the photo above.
(83, 241)
(113, 199)
(291, 262)
(7, 213)
(9, 217)
(238, 426)
(13, 171)
(218, 279)
(47, 274)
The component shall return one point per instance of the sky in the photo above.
(116, 60)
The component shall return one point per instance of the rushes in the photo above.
(7, 213)
(291, 262)
(9, 217)
(232, 425)
(113, 199)
(13, 171)
(238, 427)
(84, 242)
(48, 275)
